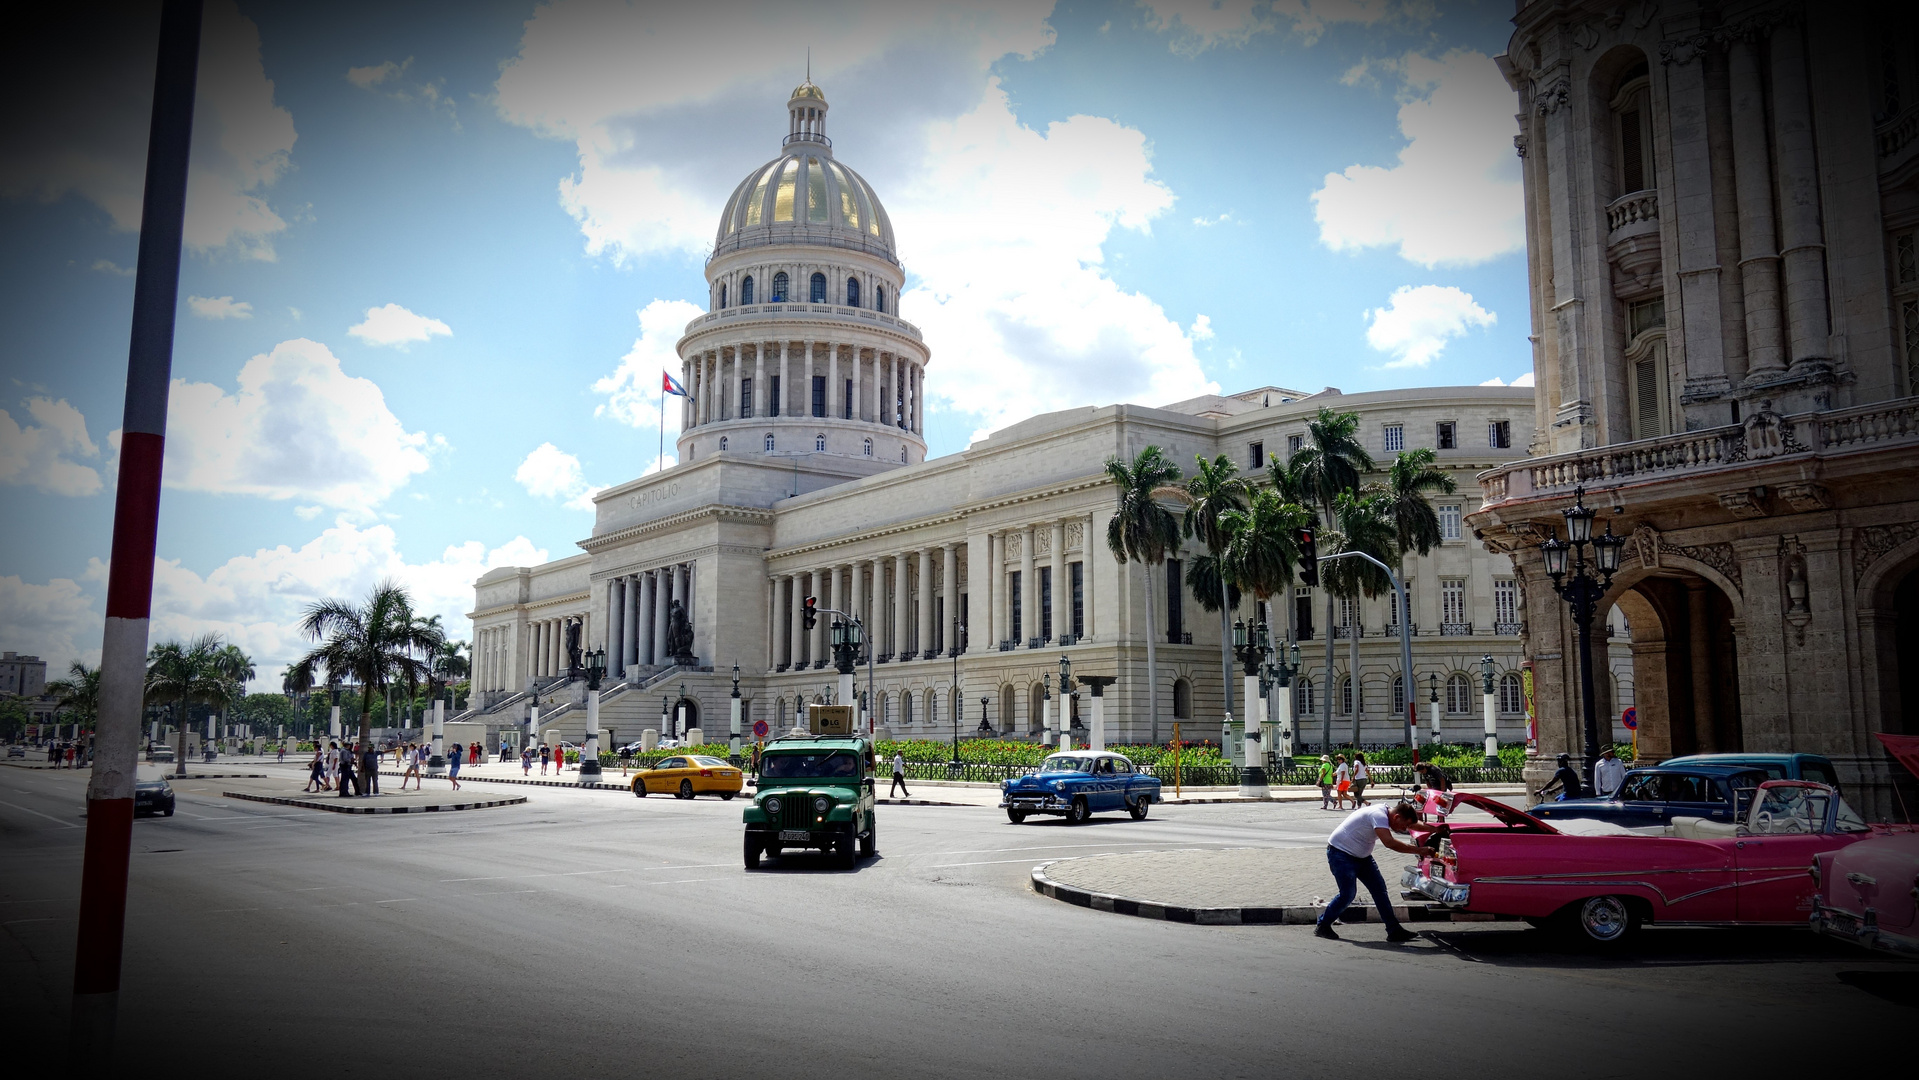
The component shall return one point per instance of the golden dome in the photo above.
(808, 90)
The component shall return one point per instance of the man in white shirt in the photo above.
(1349, 853)
(1608, 773)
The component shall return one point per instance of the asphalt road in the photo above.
(594, 934)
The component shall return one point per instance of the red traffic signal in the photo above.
(810, 614)
(1308, 558)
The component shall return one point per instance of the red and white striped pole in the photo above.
(136, 519)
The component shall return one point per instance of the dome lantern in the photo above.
(806, 117)
(805, 195)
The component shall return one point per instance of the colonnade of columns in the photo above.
(545, 655)
(637, 607)
(731, 382)
(1021, 605)
(892, 595)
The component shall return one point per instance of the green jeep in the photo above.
(815, 791)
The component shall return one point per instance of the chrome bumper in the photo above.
(1436, 890)
(1033, 803)
(1863, 931)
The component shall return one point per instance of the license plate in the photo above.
(794, 836)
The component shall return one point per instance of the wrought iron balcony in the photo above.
(1455, 629)
(1506, 629)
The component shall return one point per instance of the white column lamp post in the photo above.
(1491, 710)
(590, 757)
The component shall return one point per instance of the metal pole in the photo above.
(1492, 715)
(1405, 642)
(136, 517)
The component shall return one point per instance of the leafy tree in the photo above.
(185, 674)
(1411, 481)
(377, 644)
(1143, 530)
(1364, 525)
(79, 693)
(1216, 489)
(14, 718)
(1331, 465)
(1262, 544)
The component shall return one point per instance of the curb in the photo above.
(313, 804)
(469, 779)
(919, 802)
(219, 776)
(1296, 915)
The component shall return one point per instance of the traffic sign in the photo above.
(1631, 718)
(760, 729)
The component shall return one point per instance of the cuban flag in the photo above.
(672, 385)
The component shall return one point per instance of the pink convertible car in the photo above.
(1602, 887)
(1869, 893)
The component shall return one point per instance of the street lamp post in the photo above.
(1068, 694)
(666, 717)
(1046, 708)
(1405, 641)
(1280, 675)
(590, 771)
(1492, 716)
(733, 744)
(436, 759)
(1582, 594)
(1251, 647)
(957, 702)
(679, 717)
(1432, 682)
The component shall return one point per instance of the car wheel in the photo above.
(752, 853)
(773, 851)
(727, 796)
(843, 849)
(1078, 812)
(870, 843)
(1602, 920)
(1138, 807)
(639, 789)
(1017, 817)
(686, 789)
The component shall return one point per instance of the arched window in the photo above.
(1008, 702)
(902, 455)
(746, 290)
(906, 708)
(879, 298)
(722, 294)
(1458, 694)
(1399, 695)
(769, 442)
(1512, 696)
(869, 447)
(1182, 699)
(1303, 698)
(818, 290)
(722, 442)
(819, 442)
(852, 292)
(779, 712)
(779, 287)
(1346, 695)
(932, 707)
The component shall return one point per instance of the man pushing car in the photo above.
(1349, 853)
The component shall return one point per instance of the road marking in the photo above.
(408, 900)
(988, 862)
(583, 873)
(16, 922)
(36, 813)
(516, 892)
(230, 910)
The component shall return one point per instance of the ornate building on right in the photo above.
(1722, 210)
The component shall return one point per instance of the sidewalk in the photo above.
(390, 800)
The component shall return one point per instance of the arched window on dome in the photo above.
(819, 443)
(769, 442)
(869, 448)
(722, 294)
(722, 442)
(852, 292)
(879, 298)
(779, 288)
(746, 290)
(818, 293)
(902, 455)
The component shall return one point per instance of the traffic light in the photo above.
(811, 614)
(1308, 558)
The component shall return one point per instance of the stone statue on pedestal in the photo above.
(679, 635)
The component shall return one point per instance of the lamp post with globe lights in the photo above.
(1492, 714)
(1432, 684)
(595, 660)
(1251, 647)
(733, 742)
(1582, 592)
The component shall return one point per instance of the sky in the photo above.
(436, 254)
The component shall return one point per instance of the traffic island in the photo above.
(1230, 887)
(438, 802)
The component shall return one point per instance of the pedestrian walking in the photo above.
(1325, 782)
(1361, 776)
(899, 776)
(526, 761)
(316, 771)
(412, 769)
(473, 753)
(546, 754)
(1565, 779)
(1342, 781)
(283, 753)
(346, 774)
(1349, 854)
(369, 770)
(1608, 774)
(453, 767)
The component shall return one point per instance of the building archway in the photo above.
(1035, 707)
(1008, 706)
(1889, 625)
(1684, 670)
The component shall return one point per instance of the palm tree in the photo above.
(377, 644)
(1217, 488)
(187, 673)
(1288, 480)
(1143, 531)
(1262, 544)
(79, 692)
(1332, 465)
(1411, 480)
(1364, 526)
(237, 668)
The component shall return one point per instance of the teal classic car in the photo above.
(814, 792)
(1078, 784)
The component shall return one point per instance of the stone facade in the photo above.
(1721, 203)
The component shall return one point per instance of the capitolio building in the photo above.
(803, 471)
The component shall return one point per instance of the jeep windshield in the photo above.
(1067, 763)
(824, 764)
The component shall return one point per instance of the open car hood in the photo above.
(1905, 748)
(1500, 812)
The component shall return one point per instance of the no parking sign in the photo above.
(1631, 718)
(760, 729)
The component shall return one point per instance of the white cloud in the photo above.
(1523, 380)
(633, 389)
(1494, 381)
(549, 472)
(87, 134)
(41, 455)
(220, 307)
(1420, 320)
(1454, 195)
(1193, 26)
(307, 513)
(395, 325)
(367, 78)
(108, 266)
(386, 78)
(297, 428)
(1202, 329)
(1207, 223)
(55, 622)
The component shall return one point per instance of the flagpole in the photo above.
(662, 461)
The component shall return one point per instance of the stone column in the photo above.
(1804, 242)
(924, 646)
(630, 644)
(759, 379)
(1698, 242)
(647, 620)
(950, 597)
(1087, 563)
(683, 589)
(833, 382)
(859, 402)
(816, 640)
(857, 572)
(901, 582)
(806, 384)
(786, 384)
(662, 606)
(686, 402)
(995, 591)
(1704, 725)
(1758, 249)
(616, 627)
(1028, 588)
(1062, 589)
(834, 599)
(876, 633)
(793, 616)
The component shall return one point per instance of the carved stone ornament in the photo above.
(1645, 544)
(1549, 98)
(1873, 543)
(1805, 498)
(1687, 49)
(1798, 593)
(1013, 543)
(1042, 541)
(1075, 535)
(1742, 504)
(1521, 535)
(1520, 143)
(1718, 556)
(1586, 35)
(1645, 13)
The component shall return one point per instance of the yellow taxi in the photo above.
(686, 775)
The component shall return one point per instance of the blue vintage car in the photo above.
(1654, 796)
(1078, 784)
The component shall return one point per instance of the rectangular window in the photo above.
(1392, 607)
(774, 401)
(1645, 315)
(1348, 612)
(1449, 521)
(1506, 605)
(1645, 375)
(846, 409)
(1303, 613)
(1909, 312)
(1499, 434)
(1448, 435)
(1046, 603)
(1015, 600)
(1256, 456)
(1632, 157)
(1175, 615)
(1452, 600)
(746, 398)
(1293, 443)
(1079, 600)
(819, 395)
(1905, 261)
(1395, 438)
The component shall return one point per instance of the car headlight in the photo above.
(773, 805)
(1813, 872)
(822, 804)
